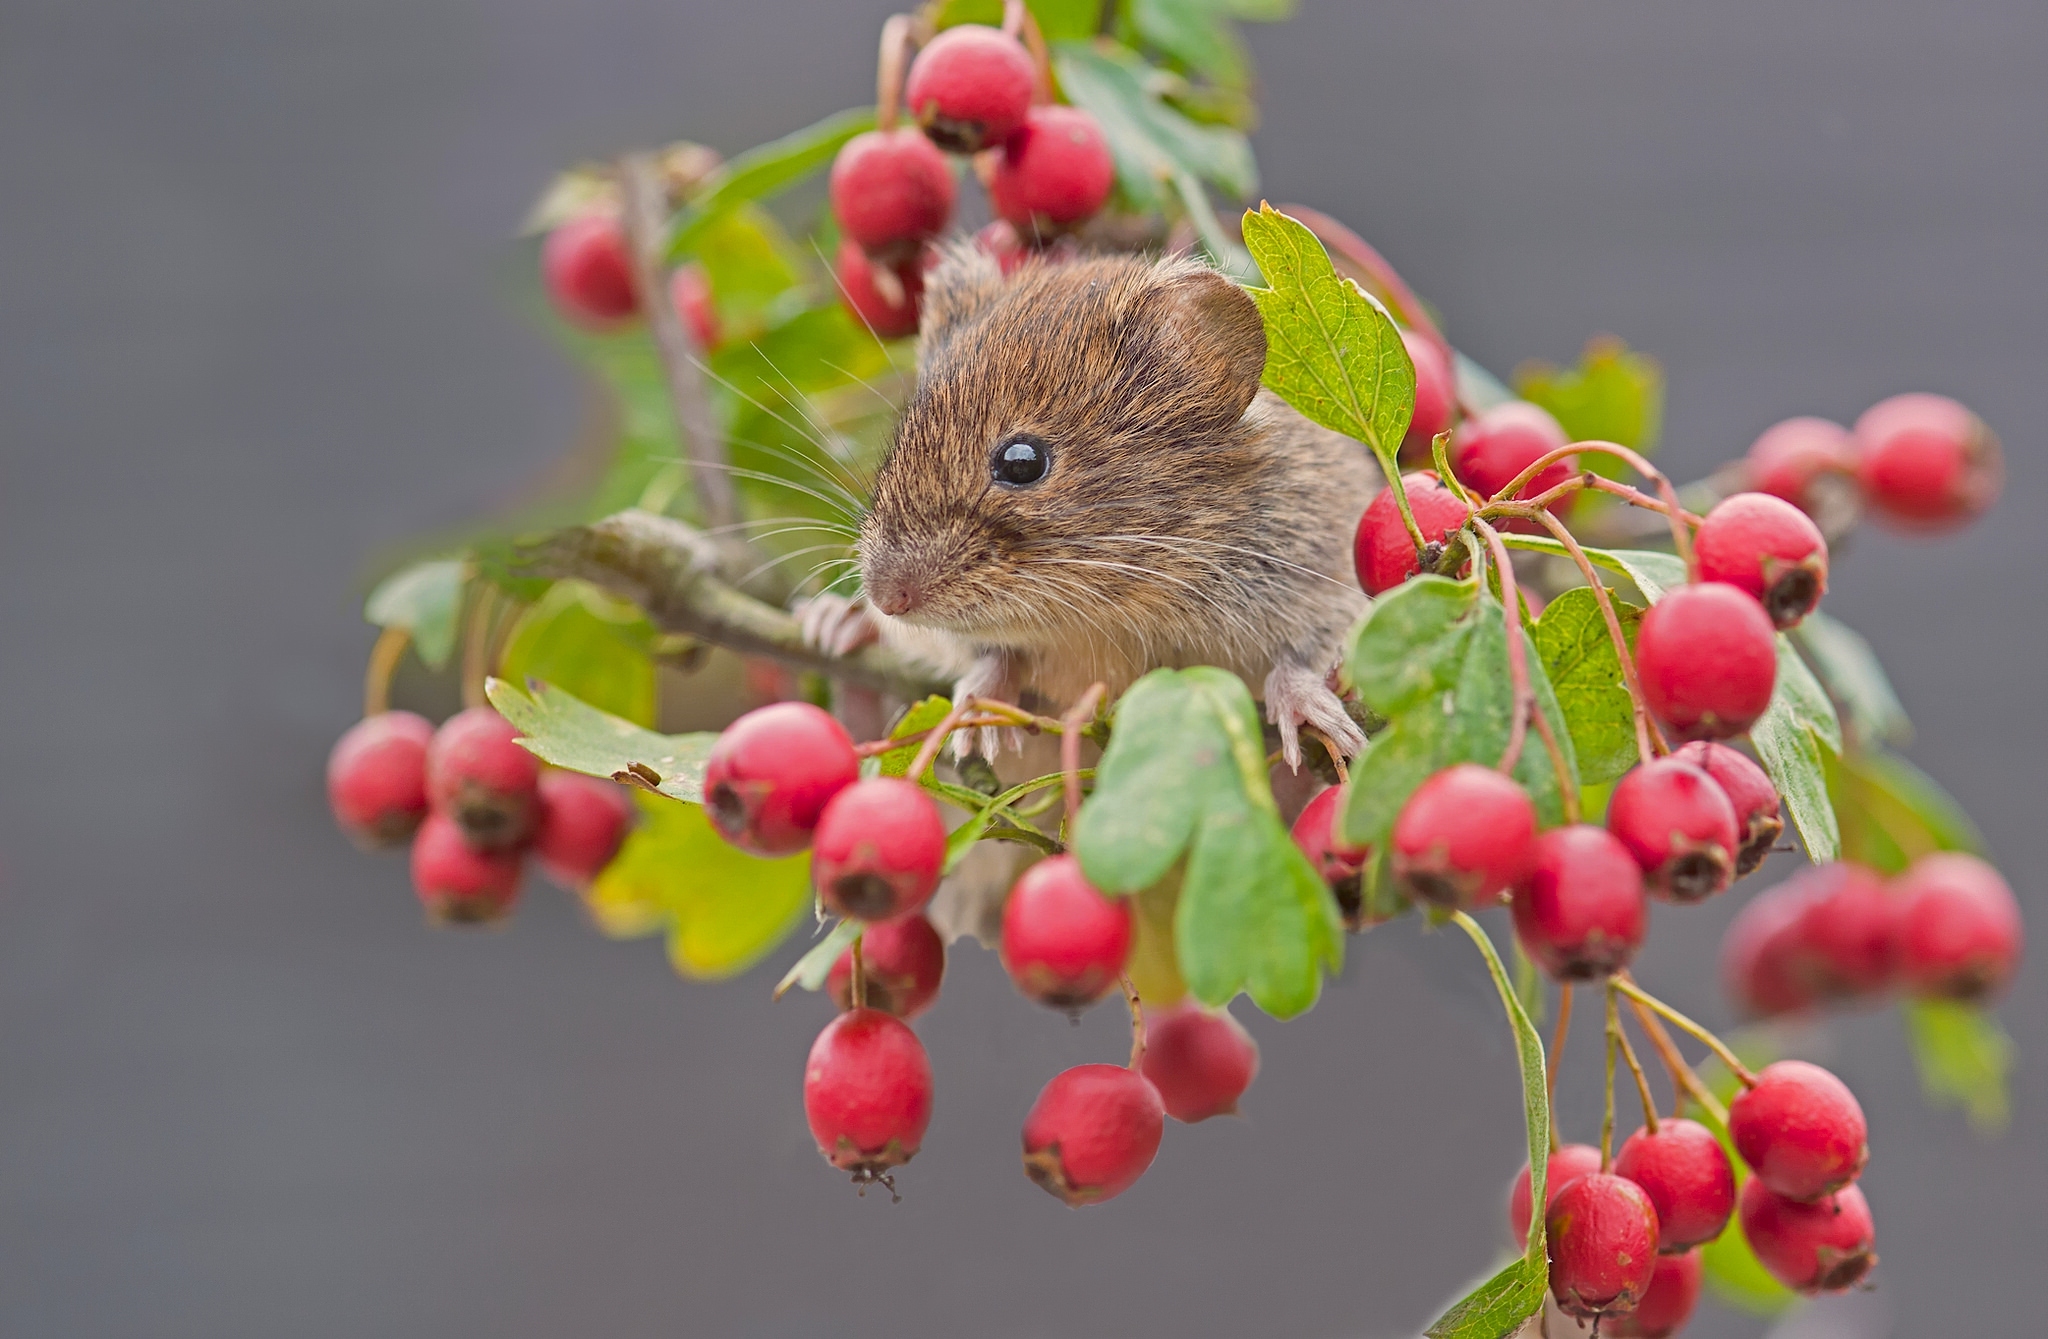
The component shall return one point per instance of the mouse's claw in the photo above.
(1296, 696)
(992, 676)
(837, 625)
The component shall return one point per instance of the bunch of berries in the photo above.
(1922, 463)
(586, 267)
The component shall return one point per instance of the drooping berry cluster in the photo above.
(1920, 462)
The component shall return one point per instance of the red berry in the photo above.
(867, 1093)
(479, 776)
(1824, 1246)
(1493, 446)
(1761, 957)
(585, 267)
(1959, 928)
(377, 777)
(1064, 943)
(892, 191)
(1766, 546)
(1000, 241)
(1687, 1176)
(1927, 463)
(879, 849)
(1580, 914)
(1201, 1062)
(885, 297)
(1844, 943)
(902, 960)
(1092, 1133)
(1804, 461)
(1759, 816)
(1053, 171)
(1674, 1291)
(1566, 1165)
(1384, 553)
(970, 87)
(457, 883)
(1341, 864)
(583, 822)
(1707, 656)
(1464, 837)
(1436, 396)
(770, 775)
(1800, 1129)
(1603, 1245)
(1679, 826)
(689, 288)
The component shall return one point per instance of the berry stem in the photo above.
(1681, 533)
(889, 65)
(860, 974)
(1624, 983)
(1336, 757)
(1391, 288)
(935, 738)
(384, 658)
(1019, 22)
(1564, 1029)
(1070, 748)
(1648, 742)
(1607, 1111)
(477, 645)
(1518, 657)
(1137, 1064)
(875, 747)
(1628, 1053)
(1684, 1081)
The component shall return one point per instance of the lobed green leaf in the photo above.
(1792, 739)
(1614, 395)
(426, 601)
(558, 728)
(1585, 670)
(589, 646)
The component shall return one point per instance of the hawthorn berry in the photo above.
(1464, 837)
(1760, 958)
(902, 961)
(583, 822)
(1580, 912)
(689, 289)
(1341, 864)
(1054, 171)
(1383, 551)
(884, 297)
(1092, 1133)
(1201, 1062)
(1560, 1169)
(1818, 1246)
(879, 849)
(999, 240)
(1707, 656)
(771, 773)
(1679, 826)
(456, 883)
(1800, 1130)
(1436, 395)
(1064, 943)
(1808, 462)
(1759, 816)
(480, 777)
(1603, 1245)
(1665, 1308)
(1844, 942)
(868, 1093)
(1493, 446)
(1926, 463)
(1766, 546)
(970, 87)
(1959, 928)
(892, 191)
(588, 272)
(377, 777)
(1687, 1176)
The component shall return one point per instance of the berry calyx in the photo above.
(1493, 446)
(1436, 396)
(1769, 548)
(1667, 1306)
(377, 777)
(1707, 656)
(892, 191)
(1054, 171)
(458, 884)
(1800, 1129)
(868, 1093)
(1809, 462)
(1383, 551)
(1064, 943)
(1092, 1133)
(1687, 1176)
(588, 273)
(1759, 816)
(1959, 932)
(1926, 463)
(970, 87)
(1341, 864)
(1679, 826)
(583, 822)
(1603, 1245)
(1201, 1062)
(1560, 1169)
(1580, 913)
(479, 776)
(903, 961)
(771, 773)
(689, 289)
(879, 849)
(1822, 1246)
(1464, 837)
(884, 297)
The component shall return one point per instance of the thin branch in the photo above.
(897, 33)
(1635, 1066)
(1564, 1029)
(1518, 658)
(1727, 1057)
(1071, 726)
(384, 658)
(1137, 1024)
(1683, 1078)
(1681, 531)
(1607, 1117)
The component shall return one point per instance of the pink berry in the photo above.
(888, 307)
(1679, 826)
(1000, 241)
(1844, 944)
(1800, 1130)
(1707, 656)
(1383, 550)
(1436, 396)
(1064, 943)
(1493, 446)
(879, 849)
(970, 87)
(867, 1093)
(1803, 461)
(583, 822)
(1926, 463)
(1687, 1176)
(457, 883)
(587, 272)
(770, 775)
(689, 288)
(1580, 913)
(1959, 932)
(1759, 817)
(902, 960)
(1762, 958)
(1566, 1165)
(1665, 1308)
(1464, 837)
(1092, 1133)
(1201, 1062)
(1766, 546)
(1603, 1245)
(892, 191)
(1341, 864)
(377, 777)
(1822, 1246)
(479, 775)
(1054, 171)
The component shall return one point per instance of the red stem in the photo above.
(1681, 534)
(1648, 742)
(1518, 655)
(889, 66)
(1071, 724)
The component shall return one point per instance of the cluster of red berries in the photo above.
(1920, 462)
(587, 270)
(786, 777)
(474, 804)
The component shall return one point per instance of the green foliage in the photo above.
(809, 971)
(1848, 668)
(426, 601)
(1892, 813)
(1184, 780)
(1585, 672)
(1058, 20)
(559, 729)
(1738, 1279)
(916, 718)
(589, 646)
(1151, 142)
(1613, 395)
(1964, 1058)
(1793, 739)
(762, 172)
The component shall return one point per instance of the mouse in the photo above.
(1088, 482)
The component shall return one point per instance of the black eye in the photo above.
(1020, 461)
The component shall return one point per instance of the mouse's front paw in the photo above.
(991, 677)
(836, 625)
(1297, 696)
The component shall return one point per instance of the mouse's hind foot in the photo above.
(1297, 696)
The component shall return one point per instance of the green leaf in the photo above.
(1738, 1279)
(764, 171)
(1585, 670)
(1058, 20)
(810, 971)
(916, 719)
(1850, 671)
(1892, 813)
(1197, 33)
(587, 645)
(1652, 572)
(1613, 395)
(425, 600)
(1149, 140)
(559, 729)
(750, 263)
(1964, 1058)
(1791, 739)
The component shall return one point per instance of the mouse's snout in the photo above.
(895, 592)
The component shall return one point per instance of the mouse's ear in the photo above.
(1219, 330)
(964, 284)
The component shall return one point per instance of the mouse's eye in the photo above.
(1020, 461)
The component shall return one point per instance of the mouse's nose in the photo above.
(896, 595)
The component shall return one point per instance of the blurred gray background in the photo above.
(257, 302)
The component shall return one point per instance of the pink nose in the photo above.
(895, 596)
